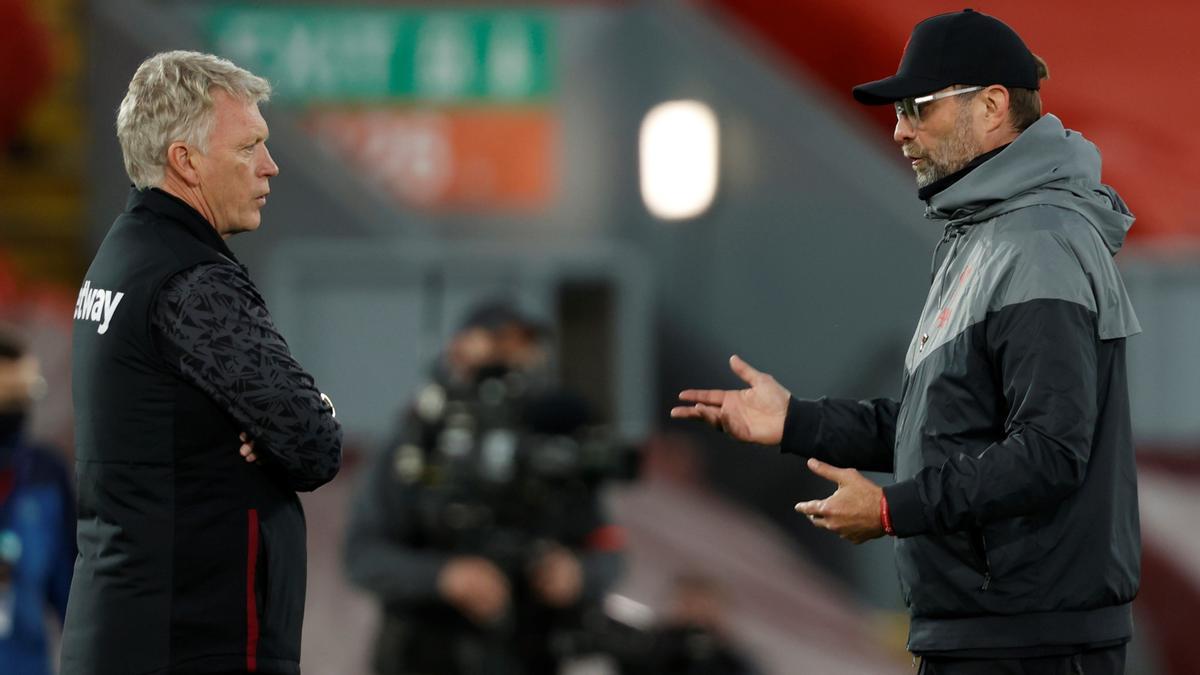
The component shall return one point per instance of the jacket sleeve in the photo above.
(380, 554)
(843, 432)
(1044, 353)
(212, 325)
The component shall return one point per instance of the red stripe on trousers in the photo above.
(251, 603)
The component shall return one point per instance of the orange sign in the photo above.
(455, 159)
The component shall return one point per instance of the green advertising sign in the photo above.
(314, 53)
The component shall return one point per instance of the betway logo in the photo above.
(97, 304)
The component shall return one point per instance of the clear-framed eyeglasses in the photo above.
(911, 107)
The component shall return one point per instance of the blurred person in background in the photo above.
(1015, 505)
(480, 529)
(37, 520)
(195, 427)
(694, 639)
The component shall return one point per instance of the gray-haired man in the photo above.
(195, 427)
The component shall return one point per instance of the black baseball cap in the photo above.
(964, 47)
(496, 313)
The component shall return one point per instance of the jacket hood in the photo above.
(1047, 164)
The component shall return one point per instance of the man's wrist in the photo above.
(906, 509)
(800, 424)
(885, 515)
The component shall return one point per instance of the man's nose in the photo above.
(269, 168)
(905, 130)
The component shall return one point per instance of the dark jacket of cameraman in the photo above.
(412, 517)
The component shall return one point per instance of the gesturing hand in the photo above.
(852, 511)
(755, 414)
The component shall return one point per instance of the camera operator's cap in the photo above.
(964, 47)
(494, 314)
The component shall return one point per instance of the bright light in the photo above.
(679, 159)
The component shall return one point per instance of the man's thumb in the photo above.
(743, 370)
(827, 471)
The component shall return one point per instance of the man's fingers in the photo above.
(744, 370)
(812, 509)
(823, 523)
(709, 396)
(689, 411)
(699, 411)
(829, 472)
(247, 449)
(709, 414)
(685, 412)
(817, 515)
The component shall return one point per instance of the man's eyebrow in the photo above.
(257, 137)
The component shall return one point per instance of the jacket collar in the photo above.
(1046, 156)
(929, 191)
(178, 212)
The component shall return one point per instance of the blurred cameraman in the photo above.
(37, 520)
(694, 638)
(477, 529)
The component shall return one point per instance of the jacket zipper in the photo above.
(952, 234)
(949, 234)
(987, 565)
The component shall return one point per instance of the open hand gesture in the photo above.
(755, 415)
(852, 512)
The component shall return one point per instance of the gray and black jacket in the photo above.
(1015, 506)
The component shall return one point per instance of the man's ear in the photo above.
(181, 160)
(995, 100)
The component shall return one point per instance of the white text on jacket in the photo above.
(97, 304)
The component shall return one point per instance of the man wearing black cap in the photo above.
(1015, 503)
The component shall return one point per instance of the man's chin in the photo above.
(242, 227)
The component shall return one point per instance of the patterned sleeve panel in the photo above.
(213, 325)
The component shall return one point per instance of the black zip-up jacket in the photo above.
(190, 559)
(401, 535)
(1015, 506)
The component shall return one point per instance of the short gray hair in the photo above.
(170, 99)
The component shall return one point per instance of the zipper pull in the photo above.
(987, 581)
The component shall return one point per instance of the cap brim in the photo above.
(896, 87)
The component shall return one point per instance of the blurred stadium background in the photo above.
(433, 153)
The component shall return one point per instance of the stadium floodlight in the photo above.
(679, 153)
